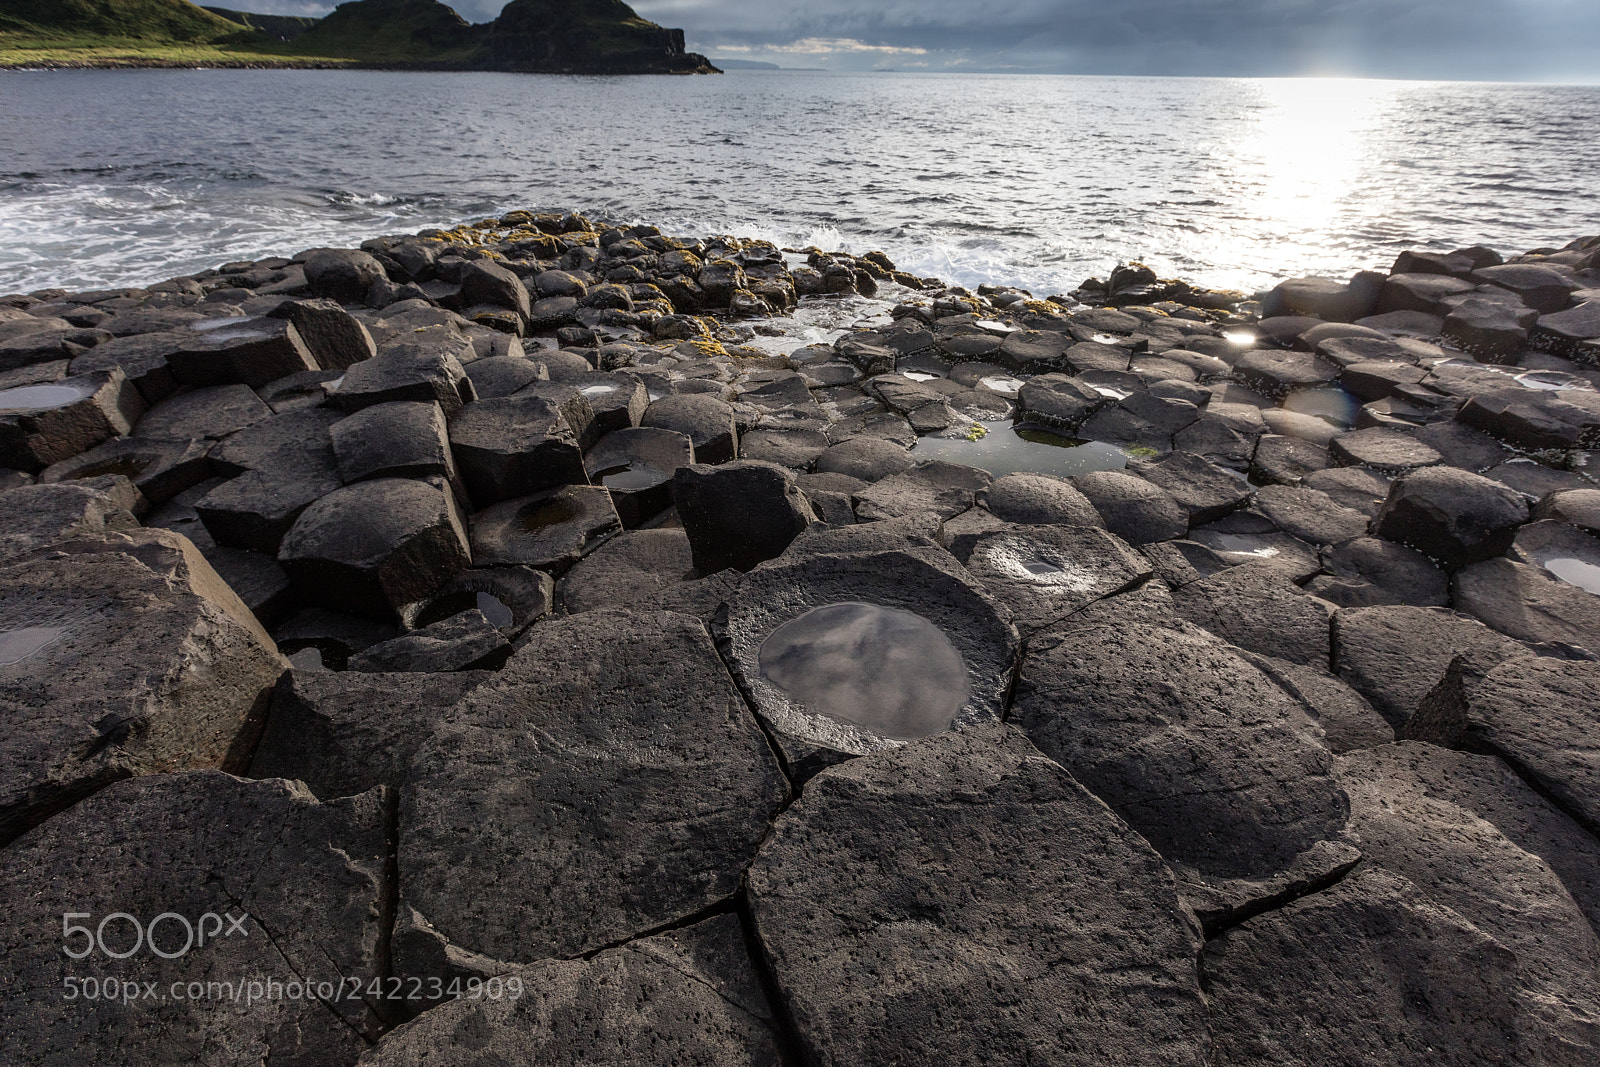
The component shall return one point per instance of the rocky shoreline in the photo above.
(546, 641)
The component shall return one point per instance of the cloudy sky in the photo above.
(1542, 40)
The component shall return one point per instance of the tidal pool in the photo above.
(1008, 449)
(887, 671)
(1575, 572)
(631, 476)
(39, 397)
(18, 645)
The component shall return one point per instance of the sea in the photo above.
(115, 178)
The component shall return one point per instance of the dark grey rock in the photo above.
(1257, 607)
(1394, 655)
(1534, 418)
(304, 880)
(1205, 490)
(319, 639)
(33, 517)
(487, 282)
(1135, 510)
(343, 734)
(1180, 562)
(616, 402)
(142, 357)
(369, 548)
(707, 421)
(498, 376)
(847, 654)
(424, 367)
(124, 655)
(335, 338)
(47, 423)
(512, 598)
(1349, 723)
(1533, 479)
(681, 997)
(214, 411)
(513, 447)
(906, 922)
(344, 275)
(256, 510)
(1377, 381)
(625, 569)
(1204, 755)
(636, 465)
(1141, 419)
(159, 470)
(1453, 516)
(1525, 603)
(294, 443)
(1491, 330)
(1038, 500)
(922, 530)
(1351, 487)
(1538, 714)
(867, 458)
(1465, 863)
(550, 530)
(403, 439)
(1057, 401)
(608, 782)
(1541, 287)
(1381, 449)
(932, 485)
(739, 514)
(253, 351)
(1579, 507)
(1283, 460)
(1309, 514)
(463, 642)
(1041, 574)
(795, 449)
(1366, 572)
(1369, 971)
(1275, 372)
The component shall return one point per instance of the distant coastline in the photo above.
(530, 36)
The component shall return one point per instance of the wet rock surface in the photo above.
(597, 545)
(865, 682)
(608, 782)
(304, 878)
(905, 880)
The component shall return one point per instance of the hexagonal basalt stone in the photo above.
(1369, 971)
(403, 439)
(248, 351)
(284, 888)
(548, 530)
(1203, 754)
(961, 900)
(123, 654)
(47, 423)
(848, 654)
(369, 548)
(1044, 573)
(1451, 515)
(687, 996)
(608, 782)
(514, 446)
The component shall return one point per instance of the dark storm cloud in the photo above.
(1536, 39)
(1434, 38)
